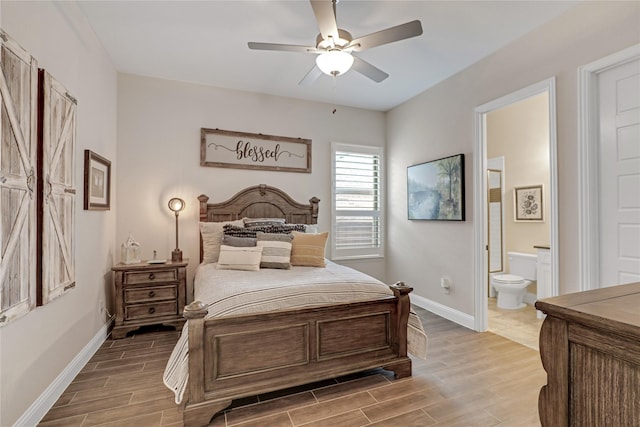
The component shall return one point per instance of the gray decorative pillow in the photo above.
(307, 228)
(260, 222)
(231, 230)
(239, 231)
(276, 250)
(239, 242)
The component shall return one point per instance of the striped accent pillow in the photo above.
(276, 250)
(245, 258)
(308, 249)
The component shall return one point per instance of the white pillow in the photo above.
(212, 233)
(239, 258)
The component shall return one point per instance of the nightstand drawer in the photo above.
(146, 294)
(131, 278)
(159, 309)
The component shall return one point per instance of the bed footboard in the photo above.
(240, 356)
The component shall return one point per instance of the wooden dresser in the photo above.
(148, 294)
(590, 349)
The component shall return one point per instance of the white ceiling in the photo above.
(206, 42)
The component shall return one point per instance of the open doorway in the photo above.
(484, 210)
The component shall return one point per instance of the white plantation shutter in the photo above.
(357, 202)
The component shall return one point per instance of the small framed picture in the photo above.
(528, 203)
(97, 182)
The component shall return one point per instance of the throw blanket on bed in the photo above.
(233, 292)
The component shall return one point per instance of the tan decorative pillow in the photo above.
(233, 258)
(212, 233)
(308, 249)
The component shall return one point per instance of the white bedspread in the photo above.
(233, 292)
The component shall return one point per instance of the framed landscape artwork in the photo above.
(435, 189)
(528, 203)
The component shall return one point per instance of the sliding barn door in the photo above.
(18, 147)
(58, 121)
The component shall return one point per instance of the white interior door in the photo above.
(619, 174)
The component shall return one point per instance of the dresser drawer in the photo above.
(131, 278)
(142, 311)
(147, 294)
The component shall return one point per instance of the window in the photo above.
(357, 221)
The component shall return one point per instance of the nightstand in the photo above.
(148, 294)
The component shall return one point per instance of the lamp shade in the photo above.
(334, 62)
(176, 204)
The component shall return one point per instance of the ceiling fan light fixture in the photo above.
(334, 62)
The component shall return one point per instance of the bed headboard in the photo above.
(260, 201)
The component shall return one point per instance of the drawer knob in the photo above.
(152, 294)
(152, 276)
(152, 310)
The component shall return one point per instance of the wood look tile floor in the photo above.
(468, 379)
(521, 325)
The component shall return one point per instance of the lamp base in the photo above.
(176, 255)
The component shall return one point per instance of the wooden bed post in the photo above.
(402, 368)
(197, 411)
(195, 313)
(203, 207)
(314, 202)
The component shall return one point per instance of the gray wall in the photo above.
(36, 348)
(439, 123)
(159, 125)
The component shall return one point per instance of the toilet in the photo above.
(511, 286)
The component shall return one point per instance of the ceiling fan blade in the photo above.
(282, 47)
(311, 76)
(368, 70)
(326, 17)
(390, 35)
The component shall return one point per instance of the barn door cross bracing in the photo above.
(58, 193)
(37, 184)
(18, 134)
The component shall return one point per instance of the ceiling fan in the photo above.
(334, 46)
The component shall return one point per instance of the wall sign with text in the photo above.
(227, 149)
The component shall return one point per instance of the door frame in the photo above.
(588, 169)
(480, 194)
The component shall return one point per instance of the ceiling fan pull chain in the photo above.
(333, 87)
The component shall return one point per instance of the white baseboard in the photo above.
(441, 310)
(48, 398)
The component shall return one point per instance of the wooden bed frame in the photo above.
(239, 356)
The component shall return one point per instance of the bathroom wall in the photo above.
(520, 134)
